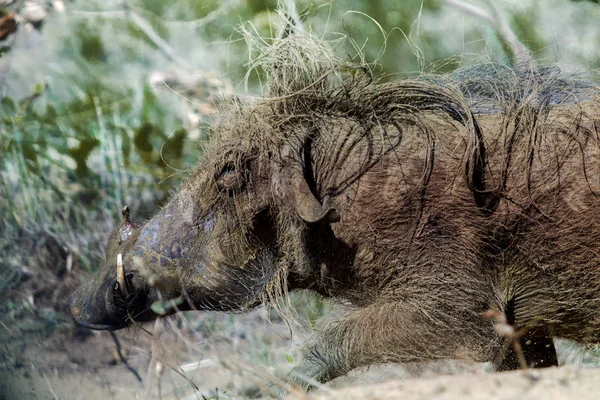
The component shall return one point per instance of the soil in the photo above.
(77, 364)
(550, 383)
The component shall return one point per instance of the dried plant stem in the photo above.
(50, 387)
(507, 331)
(519, 352)
(122, 358)
(155, 356)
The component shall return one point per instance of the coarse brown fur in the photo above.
(421, 204)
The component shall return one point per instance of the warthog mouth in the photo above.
(116, 305)
(97, 327)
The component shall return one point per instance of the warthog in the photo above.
(423, 205)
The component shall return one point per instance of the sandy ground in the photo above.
(563, 383)
(78, 365)
(222, 362)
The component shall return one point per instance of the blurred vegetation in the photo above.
(85, 128)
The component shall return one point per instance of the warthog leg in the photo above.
(395, 332)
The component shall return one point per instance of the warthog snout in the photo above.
(119, 294)
(103, 307)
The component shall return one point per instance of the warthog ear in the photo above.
(307, 206)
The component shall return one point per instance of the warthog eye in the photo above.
(230, 179)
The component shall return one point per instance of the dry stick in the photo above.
(50, 387)
(123, 360)
(506, 330)
(176, 370)
(243, 367)
(523, 59)
(155, 357)
(6, 327)
(519, 350)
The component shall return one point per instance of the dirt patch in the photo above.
(552, 383)
(68, 366)
(65, 365)
(215, 356)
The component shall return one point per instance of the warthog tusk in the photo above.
(121, 275)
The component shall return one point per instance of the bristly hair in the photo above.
(307, 83)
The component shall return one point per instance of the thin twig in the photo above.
(507, 331)
(50, 387)
(123, 359)
(518, 349)
(176, 370)
(155, 356)
(6, 327)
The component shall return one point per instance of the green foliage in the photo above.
(90, 43)
(70, 163)
(165, 307)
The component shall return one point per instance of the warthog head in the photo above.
(218, 244)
